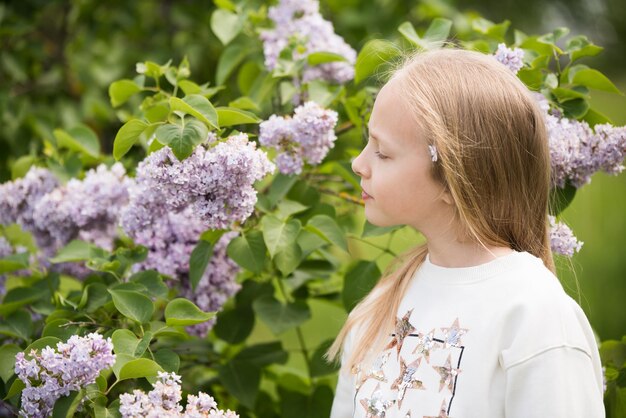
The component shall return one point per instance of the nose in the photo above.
(359, 166)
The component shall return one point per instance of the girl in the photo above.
(474, 323)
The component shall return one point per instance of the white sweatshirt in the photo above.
(501, 339)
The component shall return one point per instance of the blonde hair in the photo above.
(493, 159)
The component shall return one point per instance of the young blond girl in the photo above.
(474, 323)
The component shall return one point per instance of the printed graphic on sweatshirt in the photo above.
(416, 374)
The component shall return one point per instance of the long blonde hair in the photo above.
(493, 159)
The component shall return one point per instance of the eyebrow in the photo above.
(374, 137)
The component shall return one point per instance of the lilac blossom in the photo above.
(87, 209)
(562, 239)
(52, 373)
(18, 199)
(215, 181)
(163, 401)
(512, 58)
(307, 136)
(299, 21)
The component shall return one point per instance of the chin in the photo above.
(379, 220)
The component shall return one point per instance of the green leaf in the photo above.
(593, 79)
(167, 359)
(197, 106)
(143, 345)
(18, 325)
(560, 198)
(359, 280)
(248, 250)
(225, 25)
(281, 317)
(370, 230)
(14, 262)
(7, 361)
(200, 257)
(80, 139)
(152, 281)
(280, 187)
(124, 341)
(19, 237)
(319, 365)
(288, 258)
(120, 91)
(327, 228)
(127, 136)
(234, 325)
(94, 296)
(20, 296)
(182, 311)
(244, 103)
(229, 116)
(59, 328)
(133, 305)
(262, 355)
(230, 58)
(407, 30)
(317, 58)
(16, 387)
(278, 234)
(575, 108)
(182, 139)
(437, 32)
(372, 55)
(241, 379)
(287, 207)
(141, 367)
(42, 343)
(66, 406)
(76, 250)
(593, 117)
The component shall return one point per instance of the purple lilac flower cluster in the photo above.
(19, 198)
(577, 151)
(301, 21)
(172, 202)
(562, 239)
(87, 209)
(215, 181)
(163, 401)
(512, 58)
(307, 136)
(52, 374)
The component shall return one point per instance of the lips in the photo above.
(365, 195)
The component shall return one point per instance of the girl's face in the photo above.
(395, 169)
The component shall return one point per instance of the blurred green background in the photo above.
(57, 59)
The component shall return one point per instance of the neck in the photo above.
(446, 250)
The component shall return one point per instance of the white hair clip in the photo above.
(433, 153)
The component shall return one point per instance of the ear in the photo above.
(446, 196)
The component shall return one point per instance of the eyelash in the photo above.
(381, 156)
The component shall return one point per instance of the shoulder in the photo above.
(540, 316)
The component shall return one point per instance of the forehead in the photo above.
(391, 119)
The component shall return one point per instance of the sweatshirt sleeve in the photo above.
(557, 383)
(343, 403)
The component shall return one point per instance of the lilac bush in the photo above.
(163, 401)
(305, 137)
(51, 374)
(301, 21)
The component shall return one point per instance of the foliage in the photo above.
(299, 247)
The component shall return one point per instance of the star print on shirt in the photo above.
(376, 372)
(375, 407)
(403, 328)
(407, 379)
(443, 413)
(425, 344)
(452, 335)
(448, 375)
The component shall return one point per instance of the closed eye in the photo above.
(381, 156)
